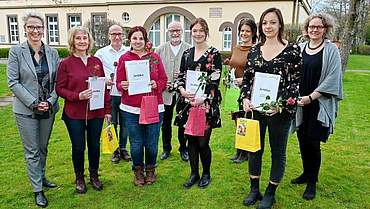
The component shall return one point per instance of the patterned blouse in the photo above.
(287, 64)
(209, 62)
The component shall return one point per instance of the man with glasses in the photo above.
(171, 53)
(109, 56)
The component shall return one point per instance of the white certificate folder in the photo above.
(193, 82)
(264, 85)
(138, 77)
(97, 85)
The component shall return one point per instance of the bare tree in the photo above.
(351, 29)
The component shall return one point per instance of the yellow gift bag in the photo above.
(247, 136)
(109, 139)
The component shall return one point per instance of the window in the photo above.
(125, 17)
(13, 29)
(99, 35)
(53, 31)
(187, 32)
(227, 34)
(170, 18)
(74, 20)
(155, 32)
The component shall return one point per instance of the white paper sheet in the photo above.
(192, 83)
(138, 76)
(97, 85)
(264, 85)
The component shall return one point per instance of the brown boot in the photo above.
(150, 177)
(139, 176)
(94, 180)
(80, 183)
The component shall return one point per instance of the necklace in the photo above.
(314, 48)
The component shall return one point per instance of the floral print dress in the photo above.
(287, 64)
(209, 62)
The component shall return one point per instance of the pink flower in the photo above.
(290, 101)
(209, 66)
(148, 46)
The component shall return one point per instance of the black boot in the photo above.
(236, 156)
(310, 192)
(242, 157)
(268, 199)
(254, 194)
(302, 179)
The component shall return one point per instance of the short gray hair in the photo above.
(327, 21)
(33, 15)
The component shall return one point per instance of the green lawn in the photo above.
(344, 178)
(4, 90)
(359, 62)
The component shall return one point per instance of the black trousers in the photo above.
(167, 129)
(311, 156)
(199, 147)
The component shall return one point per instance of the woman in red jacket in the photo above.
(143, 137)
(72, 86)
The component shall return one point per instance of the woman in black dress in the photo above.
(320, 90)
(272, 55)
(204, 58)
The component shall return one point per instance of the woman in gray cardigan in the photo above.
(320, 90)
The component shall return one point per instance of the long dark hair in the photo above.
(262, 36)
(252, 25)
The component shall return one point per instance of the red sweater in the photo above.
(71, 80)
(157, 74)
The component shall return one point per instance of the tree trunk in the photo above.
(351, 26)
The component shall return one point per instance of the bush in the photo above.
(4, 52)
(293, 32)
(362, 49)
(224, 55)
(63, 52)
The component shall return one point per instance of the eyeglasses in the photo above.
(174, 31)
(115, 34)
(317, 27)
(32, 28)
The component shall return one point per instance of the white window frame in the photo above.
(52, 29)
(227, 34)
(126, 17)
(187, 30)
(75, 22)
(155, 32)
(13, 29)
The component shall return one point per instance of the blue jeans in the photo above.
(143, 138)
(78, 129)
(117, 118)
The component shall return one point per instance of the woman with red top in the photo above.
(143, 137)
(72, 86)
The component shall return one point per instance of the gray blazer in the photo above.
(22, 78)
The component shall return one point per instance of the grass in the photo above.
(359, 62)
(343, 177)
(4, 90)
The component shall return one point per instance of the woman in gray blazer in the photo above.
(32, 68)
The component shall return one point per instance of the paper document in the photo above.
(138, 76)
(264, 85)
(97, 85)
(192, 83)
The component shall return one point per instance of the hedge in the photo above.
(4, 52)
(362, 49)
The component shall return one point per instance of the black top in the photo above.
(209, 62)
(286, 64)
(42, 71)
(310, 76)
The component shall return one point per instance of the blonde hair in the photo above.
(71, 38)
(326, 19)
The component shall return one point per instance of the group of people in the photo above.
(310, 75)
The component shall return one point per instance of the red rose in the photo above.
(148, 46)
(290, 101)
